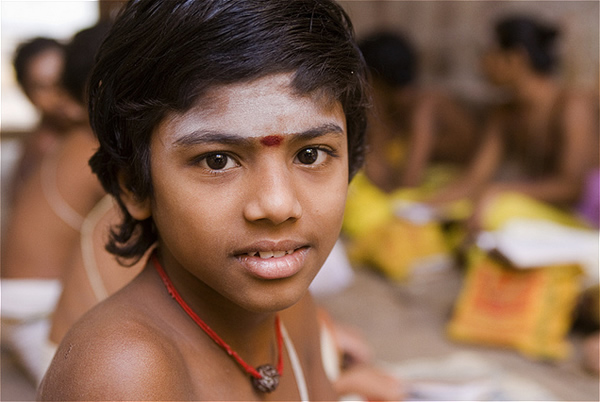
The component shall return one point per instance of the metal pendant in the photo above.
(269, 381)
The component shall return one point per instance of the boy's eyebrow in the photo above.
(327, 128)
(197, 137)
(211, 136)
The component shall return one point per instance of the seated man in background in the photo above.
(43, 227)
(543, 142)
(411, 127)
(38, 65)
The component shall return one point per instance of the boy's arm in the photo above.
(421, 141)
(481, 170)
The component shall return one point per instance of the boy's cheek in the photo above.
(330, 205)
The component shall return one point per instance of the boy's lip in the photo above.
(273, 259)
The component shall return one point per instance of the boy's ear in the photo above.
(138, 209)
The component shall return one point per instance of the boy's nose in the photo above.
(272, 197)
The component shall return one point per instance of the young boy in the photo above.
(228, 133)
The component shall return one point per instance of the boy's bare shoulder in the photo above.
(116, 352)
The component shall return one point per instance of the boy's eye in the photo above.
(218, 161)
(308, 156)
(317, 155)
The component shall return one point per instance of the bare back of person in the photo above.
(92, 273)
(557, 137)
(161, 354)
(49, 209)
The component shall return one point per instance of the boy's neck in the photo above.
(251, 335)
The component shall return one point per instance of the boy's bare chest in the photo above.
(205, 371)
(208, 373)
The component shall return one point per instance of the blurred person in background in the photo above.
(45, 222)
(38, 65)
(92, 273)
(410, 127)
(540, 144)
(538, 154)
(419, 139)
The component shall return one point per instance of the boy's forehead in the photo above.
(221, 98)
(268, 100)
(277, 87)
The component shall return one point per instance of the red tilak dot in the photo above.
(271, 140)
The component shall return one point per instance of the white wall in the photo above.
(21, 20)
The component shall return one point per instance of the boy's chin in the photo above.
(277, 301)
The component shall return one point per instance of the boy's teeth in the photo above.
(265, 254)
(270, 254)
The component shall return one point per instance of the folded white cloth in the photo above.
(530, 243)
(26, 310)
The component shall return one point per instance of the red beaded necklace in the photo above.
(264, 378)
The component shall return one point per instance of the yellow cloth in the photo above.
(530, 310)
(511, 205)
(398, 246)
(381, 239)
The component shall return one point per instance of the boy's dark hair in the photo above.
(390, 57)
(80, 55)
(26, 52)
(162, 56)
(533, 36)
